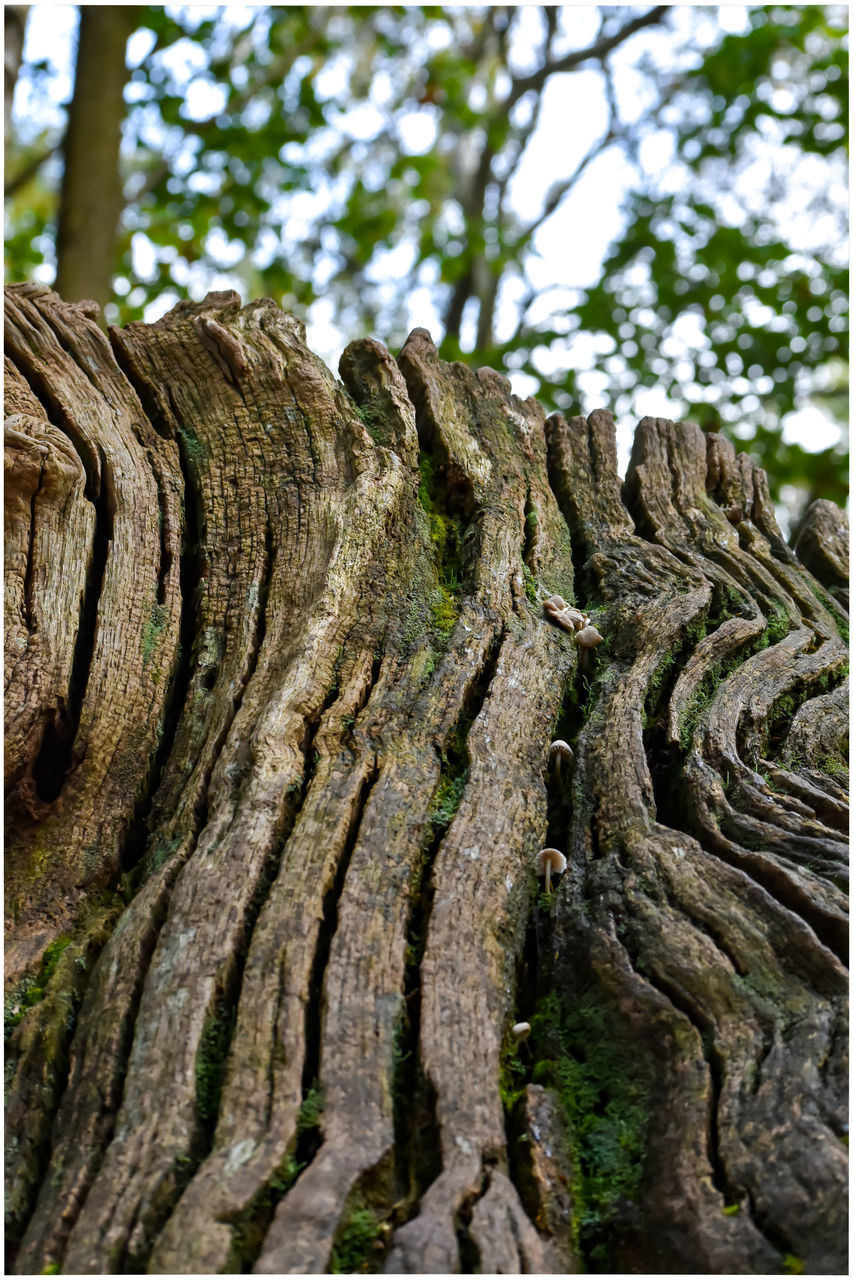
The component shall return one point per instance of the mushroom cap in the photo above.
(562, 749)
(552, 857)
(588, 637)
(556, 602)
(575, 617)
(520, 1031)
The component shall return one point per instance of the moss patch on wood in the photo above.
(31, 991)
(155, 625)
(210, 1061)
(445, 533)
(311, 1111)
(358, 1241)
(603, 1079)
(778, 625)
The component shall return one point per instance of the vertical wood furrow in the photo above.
(667, 479)
(64, 849)
(239, 832)
(43, 473)
(330, 918)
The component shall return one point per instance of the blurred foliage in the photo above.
(368, 159)
(767, 316)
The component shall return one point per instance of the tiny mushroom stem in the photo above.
(560, 753)
(548, 860)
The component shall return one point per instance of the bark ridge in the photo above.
(280, 696)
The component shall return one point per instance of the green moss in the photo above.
(27, 994)
(210, 1060)
(726, 602)
(444, 610)
(374, 424)
(529, 582)
(193, 448)
(731, 1209)
(311, 1111)
(356, 1240)
(52, 1269)
(663, 675)
(251, 1225)
(792, 1265)
(447, 795)
(834, 766)
(581, 1047)
(778, 626)
(155, 624)
(512, 1075)
(831, 606)
(445, 534)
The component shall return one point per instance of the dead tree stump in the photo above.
(280, 694)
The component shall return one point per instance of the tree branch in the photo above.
(29, 170)
(593, 52)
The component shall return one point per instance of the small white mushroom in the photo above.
(548, 860)
(520, 1032)
(560, 754)
(588, 637)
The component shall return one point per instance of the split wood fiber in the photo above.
(280, 698)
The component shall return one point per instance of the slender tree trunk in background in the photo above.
(14, 28)
(91, 200)
(280, 697)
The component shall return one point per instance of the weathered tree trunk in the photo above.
(280, 693)
(91, 201)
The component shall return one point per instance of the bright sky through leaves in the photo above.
(569, 246)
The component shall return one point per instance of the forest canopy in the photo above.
(622, 206)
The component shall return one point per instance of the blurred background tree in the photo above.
(642, 208)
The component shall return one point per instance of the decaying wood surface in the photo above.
(280, 693)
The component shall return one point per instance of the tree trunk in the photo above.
(280, 695)
(14, 27)
(91, 200)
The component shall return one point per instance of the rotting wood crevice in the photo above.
(56, 414)
(469, 1254)
(680, 1000)
(251, 1223)
(112, 1106)
(772, 1231)
(29, 610)
(327, 930)
(530, 548)
(214, 1046)
(55, 757)
(176, 698)
(535, 969)
(418, 1160)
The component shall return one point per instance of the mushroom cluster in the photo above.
(575, 621)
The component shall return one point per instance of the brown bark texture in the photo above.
(281, 691)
